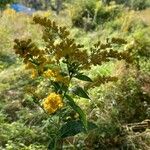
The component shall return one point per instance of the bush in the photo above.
(87, 14)
(138, 4)
(135, 4)
(16, 134)
(107, 136)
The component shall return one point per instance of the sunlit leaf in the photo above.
(80, 92)
(83, 77)
(78, 110)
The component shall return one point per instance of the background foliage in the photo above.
(23, 126)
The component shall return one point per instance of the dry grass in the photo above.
(144, 15)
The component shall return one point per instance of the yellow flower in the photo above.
(52, 103)
(9, 12)
(56, 76)
(49, 73)
(34, 74)
(60, 78)
(29, 65)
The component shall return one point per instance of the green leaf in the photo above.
(83, 77)
(64, 88)
(71, 128)
(56, 85)
(74, 127)
(91, 126)
(55, 143)
(51, 145)
(77, 109)
(80, 92)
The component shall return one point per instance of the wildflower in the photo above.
(34, 73)
(29, 65)
(52, 103)
(62, 79)
(49, 73)
(9, 12)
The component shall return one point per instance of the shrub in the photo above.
(138, 4)
(18, 135)
(135, 4)
(87, 14)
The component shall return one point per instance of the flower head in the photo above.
(52, 103)
(62, 79)
(49, 73)
(34, 74)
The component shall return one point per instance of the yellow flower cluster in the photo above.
(49, 73)
(34, 73)
(56, 75)
(52, 103)
(61, 49)
(9, 12)
(72, 51)
(66, 47)
(104, 52)
(42, 13)
(33, 57)
(64, 80)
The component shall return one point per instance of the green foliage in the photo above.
(60, 61)
(23, 135)
(107, 135)
(83, 77)
(72, 128)
(142, 42)
(28, 51)
(80, 92)
(133, 4)
(77, 109)
(3, 3)
(88, 14)
(112, 104)
(132, 104)
(137, 4)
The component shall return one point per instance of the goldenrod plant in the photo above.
(59, 63)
